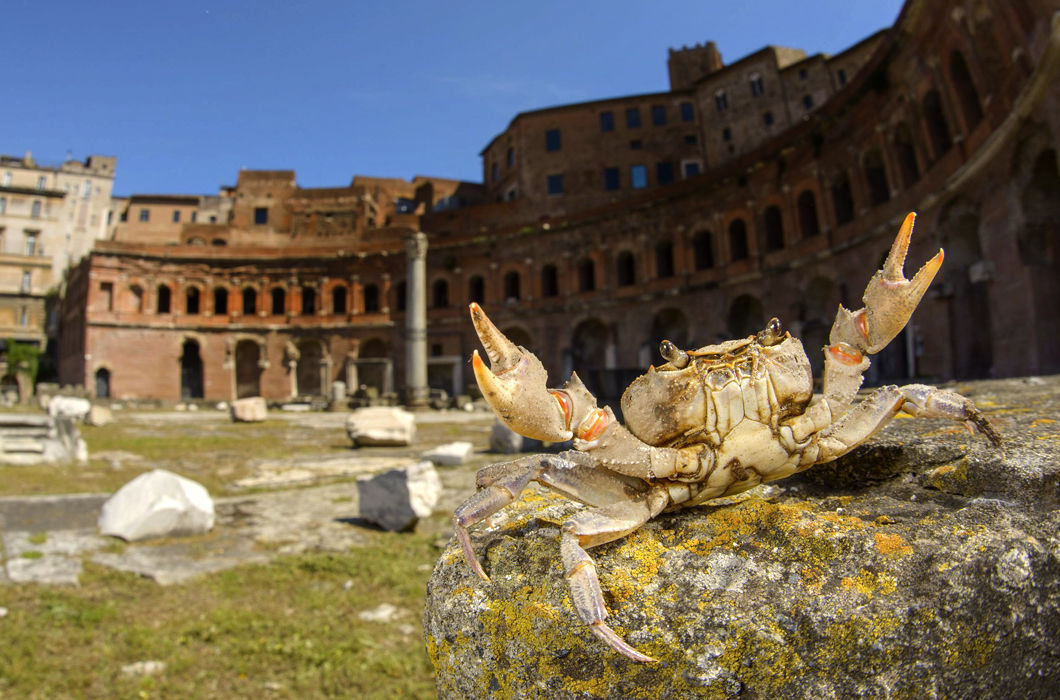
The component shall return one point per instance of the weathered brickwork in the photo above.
(953, 113)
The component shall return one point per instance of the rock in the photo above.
(99, 416)
(397, 499)
(157, 504)
(249, 410)
(506, 441)
(381, 426)
(69, 406)
(384, 612)
(144, 668)
(35, 439)
(925, 564)
(450, 454)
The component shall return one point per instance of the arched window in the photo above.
(774, 228)
(967, 95)
(220, 300)
(664, 259)
(440, 296)
(338, 299)
(876, 178)
(250, 301)
(279, 301)
(738, 240)
(626, 269)
(371, 299)
(549, 281)
(842, 200)
(309, 301)
(401, 293)
(586, 275)
(191, 301)
(476, 289)
(163, 299)
(511, 285)
(905, 154)
(138, 298)
(102, 383)
(808, 222)
(938, 129)
(703, 250)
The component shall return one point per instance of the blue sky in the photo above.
(186, 93)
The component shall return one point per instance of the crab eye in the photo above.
(772, 334)
(674, 355)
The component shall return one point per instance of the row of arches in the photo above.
(250, 300)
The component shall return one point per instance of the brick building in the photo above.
(772, 186)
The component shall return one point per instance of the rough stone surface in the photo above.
(99, 416)
(381, 426)
(397, 499)
(69, 406)
(249, 410)
(923, 564)
(157, 504)
(450, 454)
(29, 438)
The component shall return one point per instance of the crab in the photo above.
(707, 423)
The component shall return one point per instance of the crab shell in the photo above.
(671, 404)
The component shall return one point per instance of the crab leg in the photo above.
(594, 527)
(890, 300)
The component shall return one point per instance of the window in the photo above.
(774, 228)
(163, 301)
(494, 172)
(691, 168)
(625, 268)
(552, 140)
(607, 121)
(6, 179)
(703, 250)
(176, 216)
(638, 177)
(905, 153)
(279, 301)
(807, 101)
(726, 134)
(690, 139)
(612, 179)
(441, 294)
(967, 95)
(633, 118)
(767, 119)
(261, 216)
(803, 74)
(191, 301)
(511, 286)
(145, 215)
(688, 112)
(555, 184)
(658, 115)
(309, 301)
(549, 281)
(664, 259)
(27, 282)
(636, 145)
(250, 301)
(808, 222)
(338, 299)
(371, 299)
(842, 75)
(476, 289)
(106, 293)
(757, 87)
(401, 294)
(194, 216)
(41, 182)
(3, 205)
(86, 188)
(510, 157)
(938, 128)
(721, 100)
(220, 300)
(664, 173)
(34, 211)
(842, 200)
(738, 240)
(876, 178)
(23, 316)
(586, 275)
(31, 242)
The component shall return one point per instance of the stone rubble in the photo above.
(249, 410)
(381, 426)
(450, 454)
(157, 504)
(397, 499)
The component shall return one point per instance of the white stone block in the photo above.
(397, 499)
(381, 426)
(69, 406)
(157, 504)
(249, 410)
(450, 454)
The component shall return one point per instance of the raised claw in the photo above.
(889, 298)
(515, 385)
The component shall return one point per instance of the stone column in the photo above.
(416, 322)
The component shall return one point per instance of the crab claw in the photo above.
(890, 298)
(514, 385)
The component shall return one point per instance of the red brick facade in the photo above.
(952, 113)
